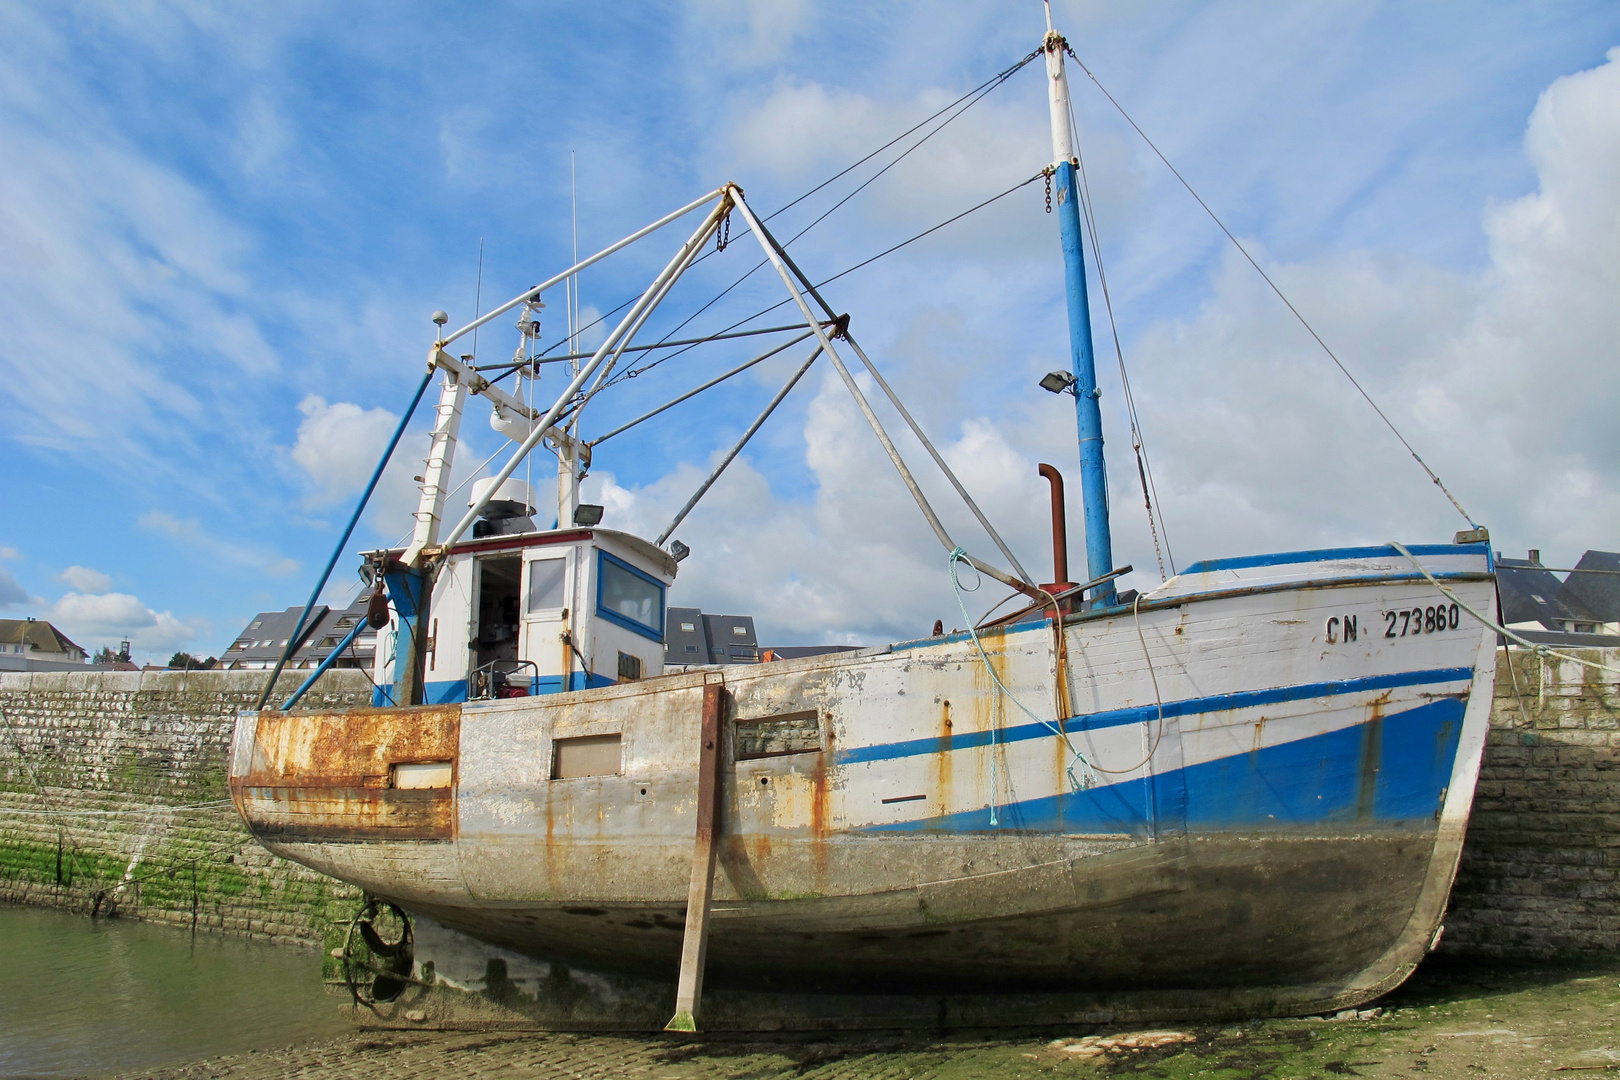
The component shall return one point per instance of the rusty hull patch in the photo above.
(326, 776)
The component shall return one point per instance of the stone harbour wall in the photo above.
(85, 756)
(1540, 874)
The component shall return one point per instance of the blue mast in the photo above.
(1093, 472)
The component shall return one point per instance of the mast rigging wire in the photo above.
(1144, 471)
(631, 373)
(977, 93)
(1286, 302)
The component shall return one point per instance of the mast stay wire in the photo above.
(1286, 302)
(1144, 468)
(977, 93)
(631, 373)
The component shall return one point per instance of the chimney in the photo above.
(1535, 556)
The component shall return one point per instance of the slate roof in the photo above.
(37, 636)
(259, 645)
(1596, 594)
(1531, 593)
(711, 639)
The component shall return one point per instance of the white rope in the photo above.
(1158, 699)
(1539, 650)
(1088, 774)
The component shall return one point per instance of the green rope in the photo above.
(1088, 775)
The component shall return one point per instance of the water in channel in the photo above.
(82, 997)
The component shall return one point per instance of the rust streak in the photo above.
(329, 776)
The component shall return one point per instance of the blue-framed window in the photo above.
(629, 598)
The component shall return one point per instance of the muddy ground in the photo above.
(1453, 1021)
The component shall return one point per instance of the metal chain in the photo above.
(1048, 191)
(722, 235)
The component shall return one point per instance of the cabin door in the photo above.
(546, 603)
(495, 617)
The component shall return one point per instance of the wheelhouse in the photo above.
(536, 613)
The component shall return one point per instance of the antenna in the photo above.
(478, 294)
(1048, 16)
(573, 281)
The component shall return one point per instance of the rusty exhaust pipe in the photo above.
(1060, 532)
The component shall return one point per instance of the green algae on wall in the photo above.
(114, 799)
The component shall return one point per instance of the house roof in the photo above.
(37, 633)
(1596, 594)
(266, 635)
(1532, 593)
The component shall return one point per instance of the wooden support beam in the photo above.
(695, 940)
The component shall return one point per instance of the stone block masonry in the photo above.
(84, 759)
(1540, 873)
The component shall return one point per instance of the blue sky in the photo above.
(222, 233)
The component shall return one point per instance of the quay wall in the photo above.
(1540, 873)
(85, 756)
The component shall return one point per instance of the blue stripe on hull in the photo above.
(452, 691)
(1289, 558)
(1145, 713)
(1388, 770)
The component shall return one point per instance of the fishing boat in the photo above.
(1242, 792)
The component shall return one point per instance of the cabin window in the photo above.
(417, 775)
(630, 598)
(739, 631)
(586, 755)
(548, 580)
(773, 736)
(687, 628)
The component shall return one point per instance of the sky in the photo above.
(223, 231)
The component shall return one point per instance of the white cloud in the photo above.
(803, 131)
(1504, 379)
(12, 594)
(191, 532)
(85, 579)
(93, 620)
(338, 446)
(746, 33)
(853, 563)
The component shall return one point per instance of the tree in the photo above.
(184, 661)
(105, 654)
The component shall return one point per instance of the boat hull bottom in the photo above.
(1215, 926)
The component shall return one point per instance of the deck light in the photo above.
(679, 550)
(587, 514)
(1058, 382)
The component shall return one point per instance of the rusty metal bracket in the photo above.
(695, 941)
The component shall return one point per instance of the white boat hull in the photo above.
(1273, 824)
